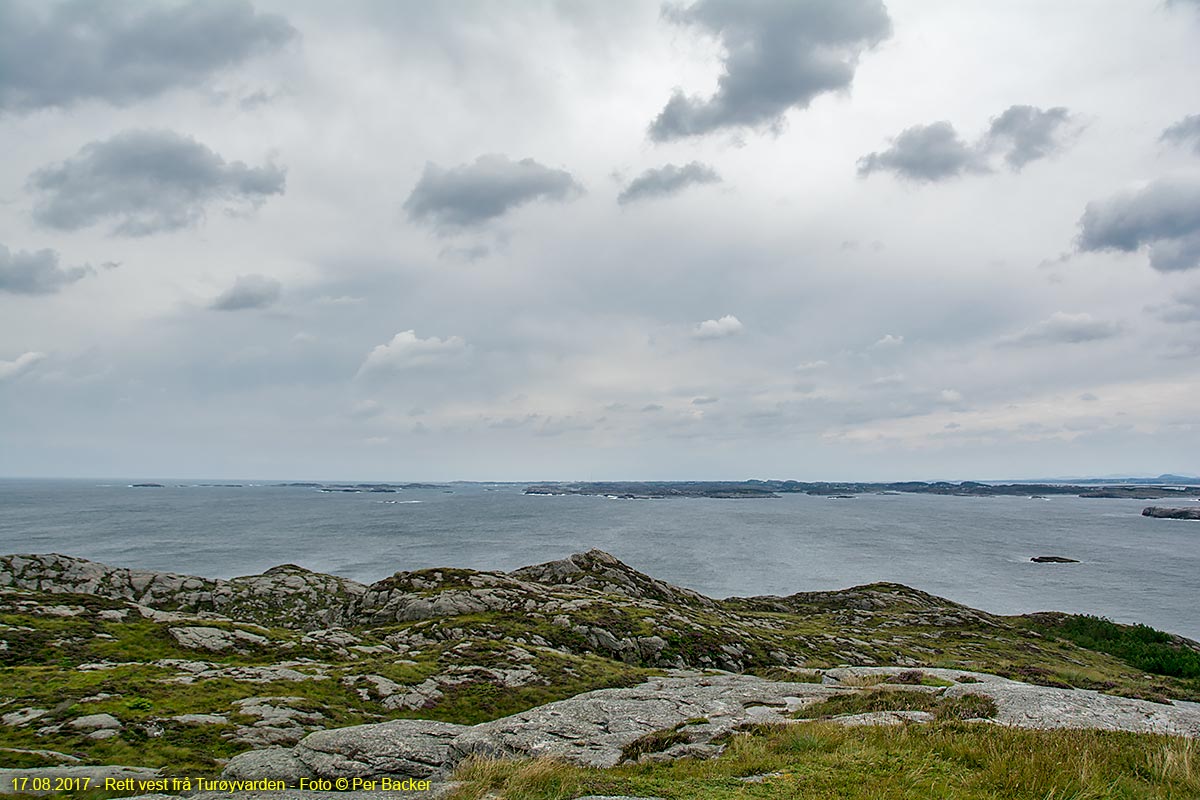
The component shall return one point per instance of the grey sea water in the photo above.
(975, 550)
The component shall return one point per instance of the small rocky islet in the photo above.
(1159, 512)
(295, 674)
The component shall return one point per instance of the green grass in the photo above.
(948, 761)
(868, 702)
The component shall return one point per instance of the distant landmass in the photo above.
(756, 489)
(1161, 480)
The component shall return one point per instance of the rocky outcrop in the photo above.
(600, 571)
(216, 639)
(1171, 513)
(290, 596)
(1054, 560)
(604, 728)
(286, 595)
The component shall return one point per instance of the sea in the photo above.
(974, 550)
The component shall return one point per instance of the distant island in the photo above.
(755, 489)
(385, 488)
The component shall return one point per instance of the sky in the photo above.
(708, 239)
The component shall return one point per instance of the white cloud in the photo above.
(950, 396)
(889, 340)
(406, 350)
(727, 325)
(22, 363)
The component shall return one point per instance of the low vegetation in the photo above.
(1139, 646)
(960, 707)
(816, 761)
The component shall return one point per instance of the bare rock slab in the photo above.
(590, 729)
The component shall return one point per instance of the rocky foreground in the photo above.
(294, 674)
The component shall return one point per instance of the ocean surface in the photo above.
(974, 550)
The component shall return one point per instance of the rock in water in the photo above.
(1171, 513)
(1054, 560)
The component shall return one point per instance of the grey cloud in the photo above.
(779, 55)
(59, 54)
(667, 180)
(925, 153)
(249, 291)
(1063, 328)
(1163, 216)
(936, 152)
(23, 272)
(1027, 133)
(705, 401)
(146, 181)
(471, 194)
(1184, 132)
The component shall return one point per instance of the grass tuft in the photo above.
(654, 742)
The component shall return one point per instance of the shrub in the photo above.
(1137, 645)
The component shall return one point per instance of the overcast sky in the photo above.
(812, 239)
